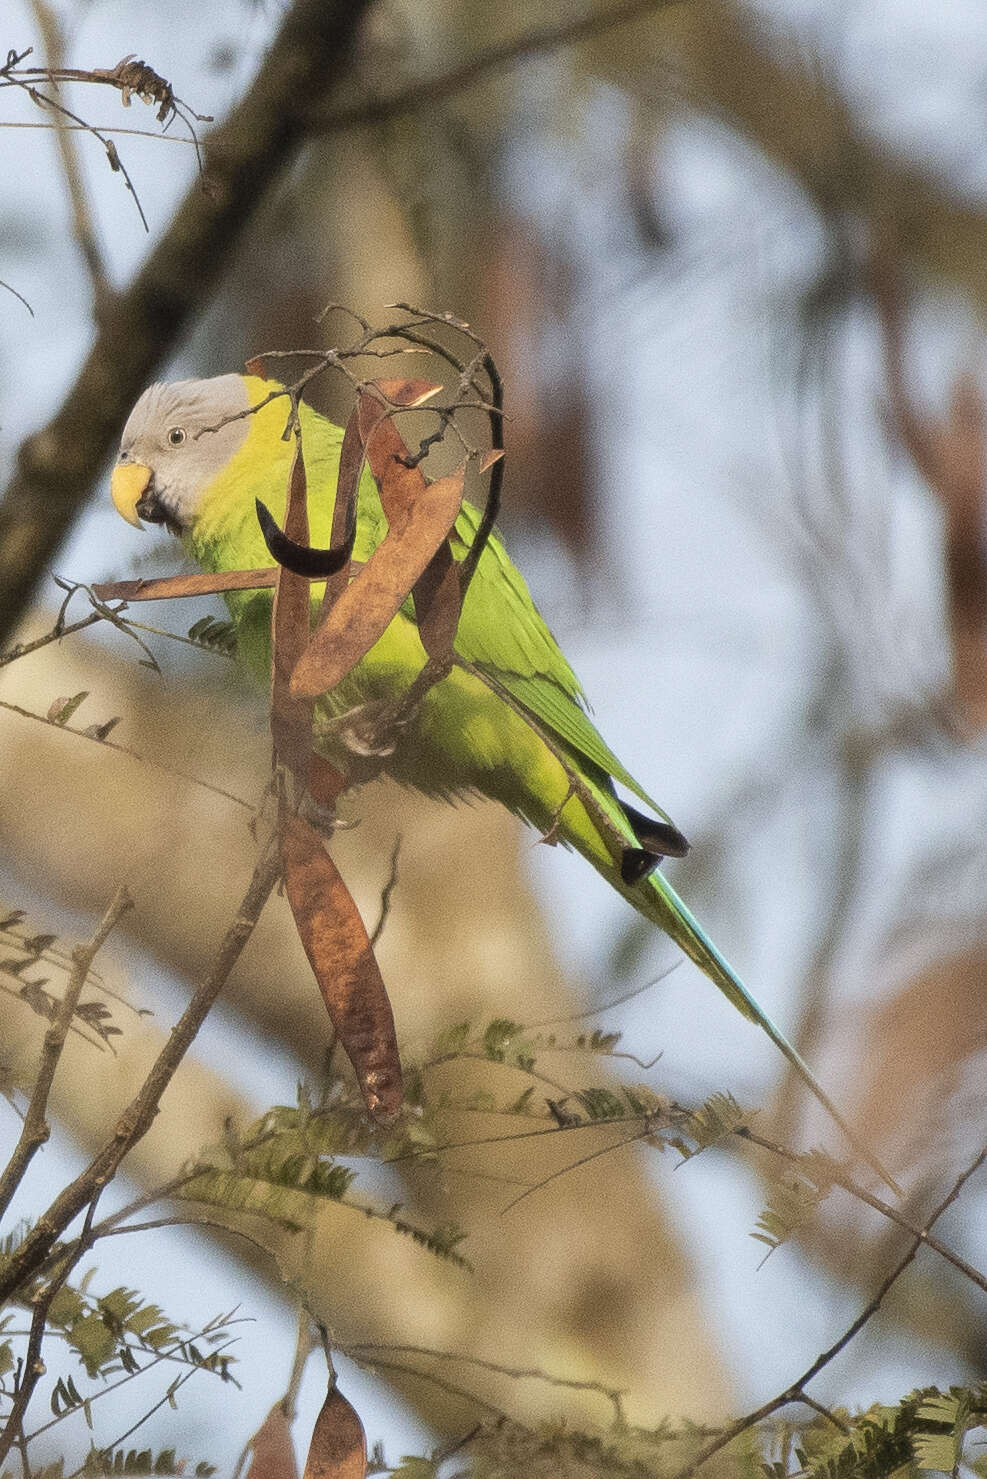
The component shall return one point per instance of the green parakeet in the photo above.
(183, 463)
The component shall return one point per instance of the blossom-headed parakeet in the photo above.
(505, 724)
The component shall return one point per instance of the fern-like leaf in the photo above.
(214, 635)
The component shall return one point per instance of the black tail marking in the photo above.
(658, 840)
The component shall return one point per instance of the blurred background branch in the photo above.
(141, 325)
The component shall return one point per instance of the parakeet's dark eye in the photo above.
(176, 435)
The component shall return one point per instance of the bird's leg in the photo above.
(551, 837)
(374, 729)
(368, 731)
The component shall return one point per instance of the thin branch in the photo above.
(380, 1364)
(35, 1129)
(82, 221)
(518, 1373)
(169, 1397)
(869, 1199)
(794, 1393)
(55, 635)
(113, 158)
(19, 296)
(79, 128)
(34, 1367)
(108, 744)
(157, 1359)
(139, 1115)
(305, 1344)
(387, 893)
(485, 361)
(606, 1006)
(583, 1160)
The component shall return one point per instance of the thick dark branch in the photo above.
(529, 43)
(141, 327)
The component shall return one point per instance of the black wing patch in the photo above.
(658, 840)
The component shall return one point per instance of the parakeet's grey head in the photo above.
(177, 440)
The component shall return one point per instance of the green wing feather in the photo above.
(503, 633)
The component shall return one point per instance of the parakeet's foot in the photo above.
(371, 730)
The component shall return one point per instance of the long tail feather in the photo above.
(700, 948)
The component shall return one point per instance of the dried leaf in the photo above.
(186, 585)
(102, 731)
(347, 484)
(273, 1452)
(291, 713)
(493, 456)
(61, 710)
(400, 486)
(256, 366)
(373, 599)
(340, 954)
(438, 602)
(407, 393)
(325, 782)
(339, 1446)
(436, 594)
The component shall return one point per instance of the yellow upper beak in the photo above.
(127, 486)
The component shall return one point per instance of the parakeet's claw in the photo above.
(302, 559)
(319, 815)
(369, 730)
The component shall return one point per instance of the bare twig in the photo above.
(847, 1183)
(55, 635)
(304, 1346)
(482, 360)
(157, 1359)
(379, 1363)
(77, 128)
(143, 323)
(368, 1351)
(108, 744)
(583, 1160)
(137, 1118)
(387, 892)
(795, 1392)
(35, 1129)
(168, 1398)
(82, 221)
(34, 1367)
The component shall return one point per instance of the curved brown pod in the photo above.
(436, 592)
(340, 954)
(291, 715)
(371, 601)
(339, 1447)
